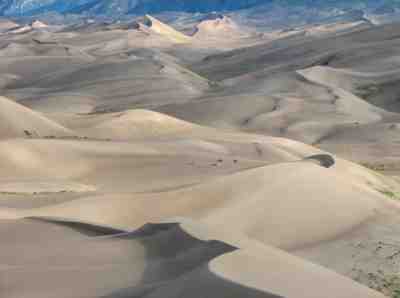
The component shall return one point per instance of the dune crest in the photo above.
(164, 30)
(223, 27)
(33, 125)
(136, 124)
(39, 25)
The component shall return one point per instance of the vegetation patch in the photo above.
(375, 167)
(367, 90)
(387, 284)
(389, 194)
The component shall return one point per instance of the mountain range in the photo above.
(120, 7)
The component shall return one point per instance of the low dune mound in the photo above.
(19, 121)
(112, 84)
(136, 124)
(70, 103)
(379, 88)
(34, 49)
(125, 166)
(336, 28)
(16, 50)
(21, 30)
(7, 79)
(221, 26)
(164, 30)
(167, 259)
(290, 191)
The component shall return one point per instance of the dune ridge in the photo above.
(33, 125)
(165, 30)
(173, 259)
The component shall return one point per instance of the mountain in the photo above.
(263, 14)
(29, 7)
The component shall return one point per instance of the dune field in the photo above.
(140, 161)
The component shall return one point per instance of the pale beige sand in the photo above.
(19, 121)
(7, 24)
(165, 30)
(161, 260)
(313, 190)
(224, 28)
(39, 25)
(38, 187)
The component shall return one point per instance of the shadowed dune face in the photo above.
(158, 259)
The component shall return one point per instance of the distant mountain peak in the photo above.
(268, 14)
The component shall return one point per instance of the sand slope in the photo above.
(165, 30)
(18, 121)
(224, 28)
(171, 260)
(220, 202)
(136, 124)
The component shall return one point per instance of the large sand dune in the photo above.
(19, 121)
(313, 189)
(165, 30)
(169, 260)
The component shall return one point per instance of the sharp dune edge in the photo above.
(165, 30)
(138, 161)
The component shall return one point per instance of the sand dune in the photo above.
(21, 30)
(221, 27)
(220, 203)
(336, 28)
(136, 124)
(94, 162)
(32, 125)
(169, 259)
(111, 85)
(165, 30)
(378, 88)
(39, 25)
(14, 49)
(6, 25)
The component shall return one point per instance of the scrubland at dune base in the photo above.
(137, 160)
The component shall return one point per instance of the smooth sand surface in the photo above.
(168, 260)
(19, 121)
(165, 30)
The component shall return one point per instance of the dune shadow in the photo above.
(324, 160)
(86, 229)
(175, 263)
(177, 266)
